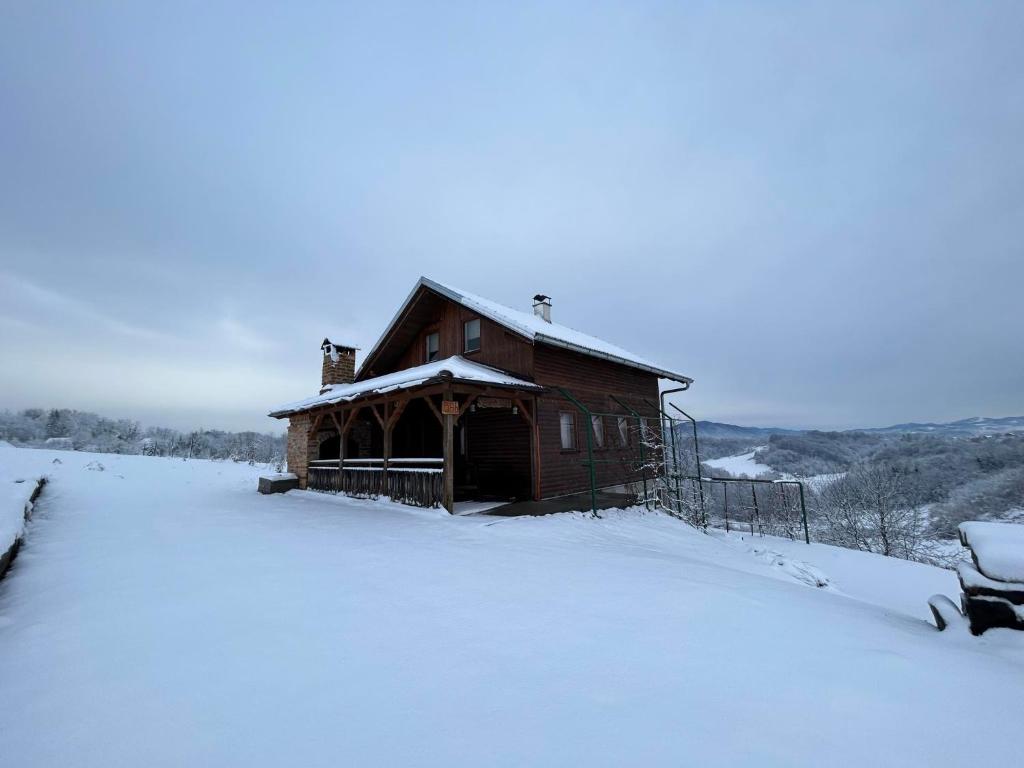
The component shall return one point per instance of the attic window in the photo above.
(471, 335)
(433, 346)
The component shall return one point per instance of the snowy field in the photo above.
(740, 465)
(161, 613)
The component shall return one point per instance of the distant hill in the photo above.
(978, 425)
(718, 429)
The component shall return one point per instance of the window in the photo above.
(433, 346)
(471, 336)
(567, 425)
(598, 426)
(623, 431)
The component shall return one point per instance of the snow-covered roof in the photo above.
(457, 367)
(532, 327)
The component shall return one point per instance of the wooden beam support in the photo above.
(376, 414)
(449, 460)
(350, 420)
(341, 449)
(465, 407)
(396, 414)
(527, 417)
(385, 424)
(433, 407)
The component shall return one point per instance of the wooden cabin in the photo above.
(462, 398)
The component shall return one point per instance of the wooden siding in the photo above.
(590, 380)
(499, 347)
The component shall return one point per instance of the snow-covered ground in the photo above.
(884, 581)
(741, 465)
(16, 488)
(162, 613)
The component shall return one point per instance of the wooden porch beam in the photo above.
(522, 411)
(376, 414)
(465, 407)
(433, 408)
(458, 388)
(449, 459)
(350, 420)
(334, 418)
(396, 414)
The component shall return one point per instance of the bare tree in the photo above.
(872, 509)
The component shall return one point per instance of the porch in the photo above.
(427, 443)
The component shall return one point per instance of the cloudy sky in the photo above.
(816, 211)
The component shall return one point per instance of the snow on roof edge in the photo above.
(459, 368)
(569, 338)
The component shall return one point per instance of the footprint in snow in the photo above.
(797, 569)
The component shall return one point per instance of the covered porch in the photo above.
(458, 431)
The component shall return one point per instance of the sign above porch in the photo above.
(493, 402)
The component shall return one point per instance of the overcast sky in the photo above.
(815, 211)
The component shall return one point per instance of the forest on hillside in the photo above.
(925, 483)
(85, 431)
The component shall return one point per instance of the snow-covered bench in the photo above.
(279, 483)
(993, 588)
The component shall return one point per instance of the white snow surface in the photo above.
(972, 578)
(741, 465)
(163, 613)
(998, 547)
(15, 489)
(460, 369)
(888, 582)
(534, 328)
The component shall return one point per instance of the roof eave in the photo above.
(661, 372)
(531, 387)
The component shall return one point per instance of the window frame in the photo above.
(426, 346)
(465, 336)
(573, 432)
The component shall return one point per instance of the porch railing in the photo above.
(415, 481)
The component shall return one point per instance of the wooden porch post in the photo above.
(387, 447)
(341, 444)
(350, 417)
(449, 458)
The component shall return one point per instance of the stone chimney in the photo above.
(542, 307)
(339, 365)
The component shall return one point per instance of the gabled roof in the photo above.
(457, 368)
(531, 327)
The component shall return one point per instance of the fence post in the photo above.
(803, 514)
(757, 513)
(725, 505)
(589, 427)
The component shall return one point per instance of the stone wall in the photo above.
(298, 446)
